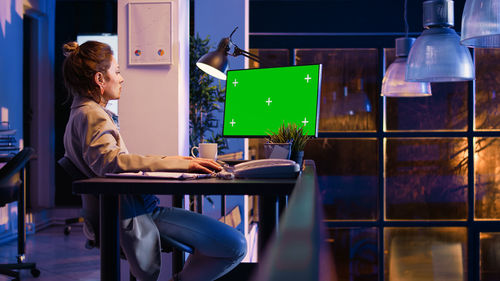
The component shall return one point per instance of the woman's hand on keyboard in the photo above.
(203, 165)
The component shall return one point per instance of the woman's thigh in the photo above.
(207, 235)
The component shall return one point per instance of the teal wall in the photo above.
(11, 70)
(11, 97)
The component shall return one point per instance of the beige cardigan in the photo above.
(94, 144)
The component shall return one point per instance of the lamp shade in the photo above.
(437, 56)
(481, 24)
(215, 63)
(394, 84)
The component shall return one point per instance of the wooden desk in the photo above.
(109, 189)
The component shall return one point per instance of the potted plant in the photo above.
(291, 135)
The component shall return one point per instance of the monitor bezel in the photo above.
(320, 75)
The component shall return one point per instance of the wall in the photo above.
(11, 66)
(40, 88)
(325, 18)
(11, 93)
(154, 106)
(339, 16)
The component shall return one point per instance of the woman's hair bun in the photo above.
(70, 48)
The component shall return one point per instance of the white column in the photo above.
(154, 105)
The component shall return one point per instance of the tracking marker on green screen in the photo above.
(261, 100)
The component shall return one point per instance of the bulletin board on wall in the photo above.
(150, 33)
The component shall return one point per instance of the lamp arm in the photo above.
(237, 51)
(230, 36)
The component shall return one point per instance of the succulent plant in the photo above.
(290, 133)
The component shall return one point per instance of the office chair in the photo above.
(90, 206)
(12, 188)
(69, 222)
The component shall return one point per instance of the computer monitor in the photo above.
(259, 101)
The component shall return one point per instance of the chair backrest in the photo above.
(90, 202)
(71, 169)
(10, 176)
(14, 166)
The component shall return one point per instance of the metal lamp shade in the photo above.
(394, 84)
(214, 64)
(437, 56)
(481, 24)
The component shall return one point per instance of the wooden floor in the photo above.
(57, 256)
(65, 258)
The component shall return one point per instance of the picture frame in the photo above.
(150, 33)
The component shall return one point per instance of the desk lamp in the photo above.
(215, 63)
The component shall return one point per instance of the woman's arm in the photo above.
(104, 151)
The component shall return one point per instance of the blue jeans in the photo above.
(218, 247)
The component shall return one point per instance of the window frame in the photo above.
(380, 41)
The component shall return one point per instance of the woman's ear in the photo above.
(99, 80)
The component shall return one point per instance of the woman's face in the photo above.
(113, 82)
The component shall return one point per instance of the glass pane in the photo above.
(349, 88)
(347, 172)
(487, 178)
(270, 58)
(211, 206)
(355, 253)
(256, 148)
(425, 254)
(446, 109)
(489, 258)
(426, 179)
(487, 86)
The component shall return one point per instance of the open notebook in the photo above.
(159, 175)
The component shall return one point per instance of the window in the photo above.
(410, 186)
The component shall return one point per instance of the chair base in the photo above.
(69, 222)
(10, 269)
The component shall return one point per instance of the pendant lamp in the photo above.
(481, 24)
(394, 84)
(436, 55)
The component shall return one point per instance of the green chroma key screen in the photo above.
(261, 100)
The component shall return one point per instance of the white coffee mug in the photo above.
(206, 150)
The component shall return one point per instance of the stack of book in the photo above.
(8, 143)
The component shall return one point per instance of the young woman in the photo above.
(92, 141)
